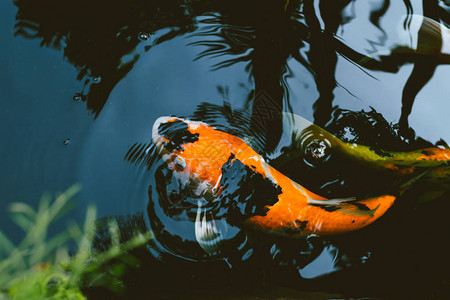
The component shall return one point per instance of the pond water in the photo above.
(83, 82)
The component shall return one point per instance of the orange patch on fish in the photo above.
(435, 154)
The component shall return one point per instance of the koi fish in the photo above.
(430, 165)
(197, 151)
(303, 132)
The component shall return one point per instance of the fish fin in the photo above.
(413, 180)
(207, 232)
(331, 202)
(351, 210)
(347, 206)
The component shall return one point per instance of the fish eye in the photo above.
(180, 162)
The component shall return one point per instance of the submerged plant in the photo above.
(40, 266)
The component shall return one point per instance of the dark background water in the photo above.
(82, 82)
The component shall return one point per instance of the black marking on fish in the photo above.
(245, 192)
(346, 208)
(177, 132)
(294, 228)
(381, 152)
(427, 152)
(300, 225)
(328, 208)
(360, 206)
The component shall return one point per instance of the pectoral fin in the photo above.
(347, 206)
(331, 202)
(209, 232)
(357, 210)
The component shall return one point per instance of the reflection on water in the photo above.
(369, 72)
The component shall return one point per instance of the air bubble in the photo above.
(77, 97)
(143, 36)
(66, 142)
(317, 152)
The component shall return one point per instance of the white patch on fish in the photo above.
(195, 124)
(207, 232)
(217, 185)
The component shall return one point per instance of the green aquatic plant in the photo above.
(40, 267)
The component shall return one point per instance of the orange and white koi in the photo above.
(198, 151)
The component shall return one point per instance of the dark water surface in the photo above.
(82, 83)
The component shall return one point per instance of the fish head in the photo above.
(195, 152)
(192, 149)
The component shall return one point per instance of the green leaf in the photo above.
(114, 232)
(6, 246)
(18, 207)
(22, 221)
